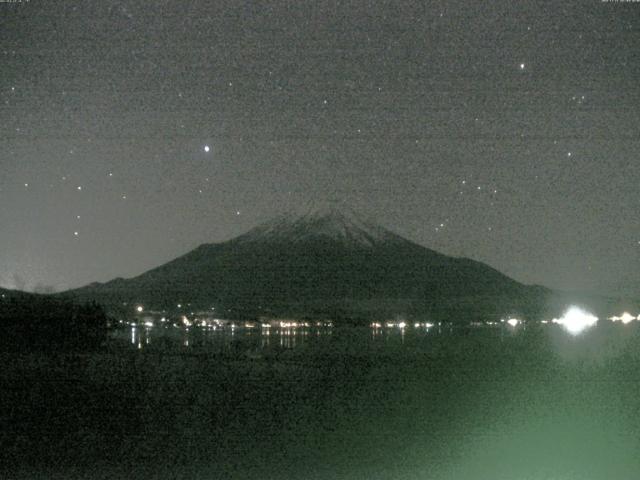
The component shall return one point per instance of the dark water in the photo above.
(340, 403)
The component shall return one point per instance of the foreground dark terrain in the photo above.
(461, 404)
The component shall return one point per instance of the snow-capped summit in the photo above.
(321, 223)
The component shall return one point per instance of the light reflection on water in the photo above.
(222, 338)
(603, 340)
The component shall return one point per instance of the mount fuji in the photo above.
(322, 263)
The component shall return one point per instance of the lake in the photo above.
(456, 403)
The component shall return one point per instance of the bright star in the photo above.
(207, 148)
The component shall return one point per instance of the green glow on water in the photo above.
(519, 403)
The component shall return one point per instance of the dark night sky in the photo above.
(507, 132)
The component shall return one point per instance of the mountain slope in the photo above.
(321, 263)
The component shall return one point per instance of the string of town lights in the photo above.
(575, 320)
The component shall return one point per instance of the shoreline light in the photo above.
(625, 318)
(513, 322)
(575, 320)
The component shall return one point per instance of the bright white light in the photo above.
(207, 148)
(148, 324)
(627, 317)
(402, 325)
(513, 322)
(575, 320)
(139, 309)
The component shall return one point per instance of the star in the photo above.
(522, 66)
(207, 148)
(76, 233)
(79, 187)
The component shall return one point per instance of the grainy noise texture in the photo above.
(133, 131)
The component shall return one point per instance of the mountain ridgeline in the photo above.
(327, 264)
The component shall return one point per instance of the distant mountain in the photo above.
(330, 263)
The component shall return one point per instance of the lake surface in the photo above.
(330, 403)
